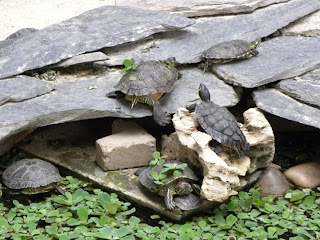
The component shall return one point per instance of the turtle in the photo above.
(187, 202)
(32, 176)
(218, 122)
(147, 84)
(229, 51)
(180, 185)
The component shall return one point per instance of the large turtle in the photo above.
(219, 122)
(181, 185)
(32, 176)
(231, 50)
(147, 84)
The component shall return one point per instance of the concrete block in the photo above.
(129, 148)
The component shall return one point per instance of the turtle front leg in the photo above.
(168, 199)
(159, 115)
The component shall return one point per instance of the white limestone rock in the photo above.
(127, 148)
(221, 172)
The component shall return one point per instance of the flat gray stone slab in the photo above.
(279, 58)
(197, 8)
(86, 99)
(305, 88)
(22, 88)
(107, 26)
(82, 58)
(206, 32)
(279, 104)
(76, 152)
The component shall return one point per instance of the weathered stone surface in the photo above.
(305, 175)
(86, 99)
(308, 26)
(207, 32)
(130, 148)
(107, 26)
(196, 8)
(273, 182)
(21, 33)
(278, 58)
(82, 58)
(221, 172)
(305, 88)
(261, 138)
(279, 104)
(76, 152)
(22, 88)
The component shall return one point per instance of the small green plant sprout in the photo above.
(169, 63)
(174, 168)
(158, 159)
(129, 66)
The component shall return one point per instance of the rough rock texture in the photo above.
(278, 58)
(305, 88)
(95, 29)
(279, 104)
(196, 8)
(21, 88)
(273, 182)
(221, 172)
(308, 26)
(261, 138)
(132, 147)
(206, 32)
(305, 175)
(86, 99)
(82, 58)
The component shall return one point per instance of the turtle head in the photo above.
(183, 188)
(255, 44)
(204, 93)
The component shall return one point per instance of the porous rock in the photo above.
(305, 175)
(261, 138)
(273, 182)
(106, 26)
(128, 148)
(222, 172)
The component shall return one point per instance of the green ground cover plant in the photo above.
(88, 213)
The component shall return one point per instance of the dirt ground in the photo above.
(17, 14)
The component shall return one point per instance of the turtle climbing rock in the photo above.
(146, 84)
(219, 122)
(231, 50)
(32, 176)
(175, 185)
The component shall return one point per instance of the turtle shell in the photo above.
(147, 180)
(150, 77)
(228, 51)
(221, 125)
(30, 173)
(187, 202)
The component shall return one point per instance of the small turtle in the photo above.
(181, 185)
(187, 202)
(147, 84)
(32, 176)
(231, 50)
(219, 122)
